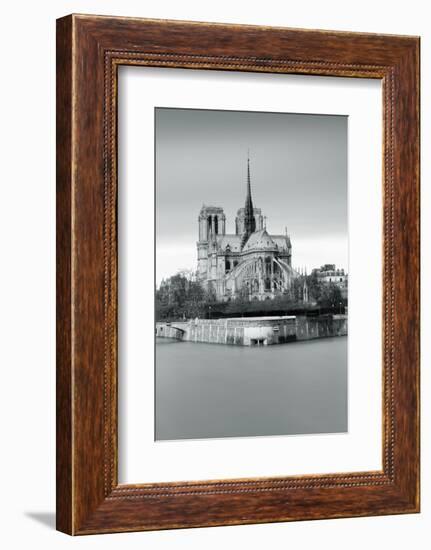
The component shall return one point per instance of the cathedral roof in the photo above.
(282, 241)
(233, 241)
(260, 240)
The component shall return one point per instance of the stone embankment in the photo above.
(254, 331)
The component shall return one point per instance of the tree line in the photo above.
(181, 297)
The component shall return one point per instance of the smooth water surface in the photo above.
(211, 390)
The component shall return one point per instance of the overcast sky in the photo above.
(298, 176)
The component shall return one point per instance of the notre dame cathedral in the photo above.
(250, 263)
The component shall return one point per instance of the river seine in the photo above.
(210, 390)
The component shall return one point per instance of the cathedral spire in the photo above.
(248, 200)
(249, 221)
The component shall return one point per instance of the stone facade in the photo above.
(250, 263)
(329, 274)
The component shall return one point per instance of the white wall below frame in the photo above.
(27, 410)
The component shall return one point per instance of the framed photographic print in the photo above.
(237, 274)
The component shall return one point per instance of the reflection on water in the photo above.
(210, 390)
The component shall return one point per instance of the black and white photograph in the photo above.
(251, 270)
(215, 226)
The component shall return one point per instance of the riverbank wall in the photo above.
(309, 328)
(254, 331)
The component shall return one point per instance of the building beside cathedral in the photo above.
(329, 274)
(249, 263)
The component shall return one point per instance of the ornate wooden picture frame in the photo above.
(89, 51)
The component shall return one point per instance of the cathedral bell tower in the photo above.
(212, 224)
